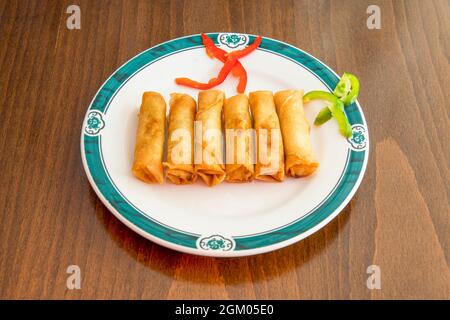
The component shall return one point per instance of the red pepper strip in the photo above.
(215, 52)
(212, 82)
(212, 50)
(243, 52)
(240, 72)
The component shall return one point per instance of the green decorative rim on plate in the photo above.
(214, 244)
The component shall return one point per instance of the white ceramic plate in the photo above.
(228, 219)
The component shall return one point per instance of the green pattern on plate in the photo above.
(94, 123)
(358, 141)
(216, 243)
(232, 40)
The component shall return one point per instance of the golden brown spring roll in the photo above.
(300, 158)
(149, 147)
(238, 139)
(180, 142)
(269, 143)
(208, 152)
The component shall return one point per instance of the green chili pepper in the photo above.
(347, 89)
(344, 94)
(323, 116)
(335, 108)
(320, 95)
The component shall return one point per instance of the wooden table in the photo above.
(51, 218)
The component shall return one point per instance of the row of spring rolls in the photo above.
(281, 134)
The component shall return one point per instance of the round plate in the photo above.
(228, 219)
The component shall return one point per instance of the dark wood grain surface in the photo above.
(51, 218)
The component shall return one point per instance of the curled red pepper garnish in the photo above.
(212, 50)
(238, 70)
(231, 64)
(226, 69)
(243, 52)
(242, 74)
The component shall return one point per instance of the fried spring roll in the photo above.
(238, 139)
(300, 158)
(269, 143)
(208, 152)
(180, 143)
(149, 147)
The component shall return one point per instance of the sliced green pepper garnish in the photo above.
(347, 89)
(320, 95)
(344, 94)
(323, 116)
(335, 108)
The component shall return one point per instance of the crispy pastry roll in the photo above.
(238, 139)
(300, 158)
(208, 142)
(149, 147)
(180, 142)
(269, 143)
